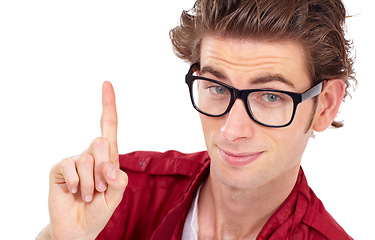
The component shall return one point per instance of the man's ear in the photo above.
(328, 104)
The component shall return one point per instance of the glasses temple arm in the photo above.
(312, 92)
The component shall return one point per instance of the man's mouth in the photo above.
(239, 159)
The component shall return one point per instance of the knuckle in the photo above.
(99, 142)
(63, 166)
(65, 163)
(110, 121)
(85, 159)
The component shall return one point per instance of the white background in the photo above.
(54, 57)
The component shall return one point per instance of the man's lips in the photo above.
(239, 159)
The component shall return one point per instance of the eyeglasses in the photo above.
(270, 108)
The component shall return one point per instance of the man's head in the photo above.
(240, 42)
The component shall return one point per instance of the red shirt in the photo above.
(162, 187)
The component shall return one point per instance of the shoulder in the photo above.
(302, 216)
(318, 219)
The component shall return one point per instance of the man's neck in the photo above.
(229, 213)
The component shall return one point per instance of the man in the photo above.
(264, 76)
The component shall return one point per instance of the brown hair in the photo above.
(319, 25)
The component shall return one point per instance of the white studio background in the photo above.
(54, 57)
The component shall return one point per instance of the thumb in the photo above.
(117, 181)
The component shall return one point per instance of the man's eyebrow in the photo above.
(272, 78)
(258, 80)
(212, 71)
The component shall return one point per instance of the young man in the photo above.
(264, 76)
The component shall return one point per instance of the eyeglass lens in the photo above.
(266, 106)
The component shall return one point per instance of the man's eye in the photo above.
(218, 90)
(270, 97)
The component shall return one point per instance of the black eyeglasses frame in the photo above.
(243, 94)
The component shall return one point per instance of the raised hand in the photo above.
(86, 189)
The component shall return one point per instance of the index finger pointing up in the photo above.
(109, 119)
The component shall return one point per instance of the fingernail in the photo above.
(74, 190)
(111, 170)
(88, 198)
(102, 187)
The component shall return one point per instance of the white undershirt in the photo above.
(191, 227)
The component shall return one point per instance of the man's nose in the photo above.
(238, 125)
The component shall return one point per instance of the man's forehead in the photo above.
(261, 61)
(282, 49)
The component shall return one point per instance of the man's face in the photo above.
(245, 154)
